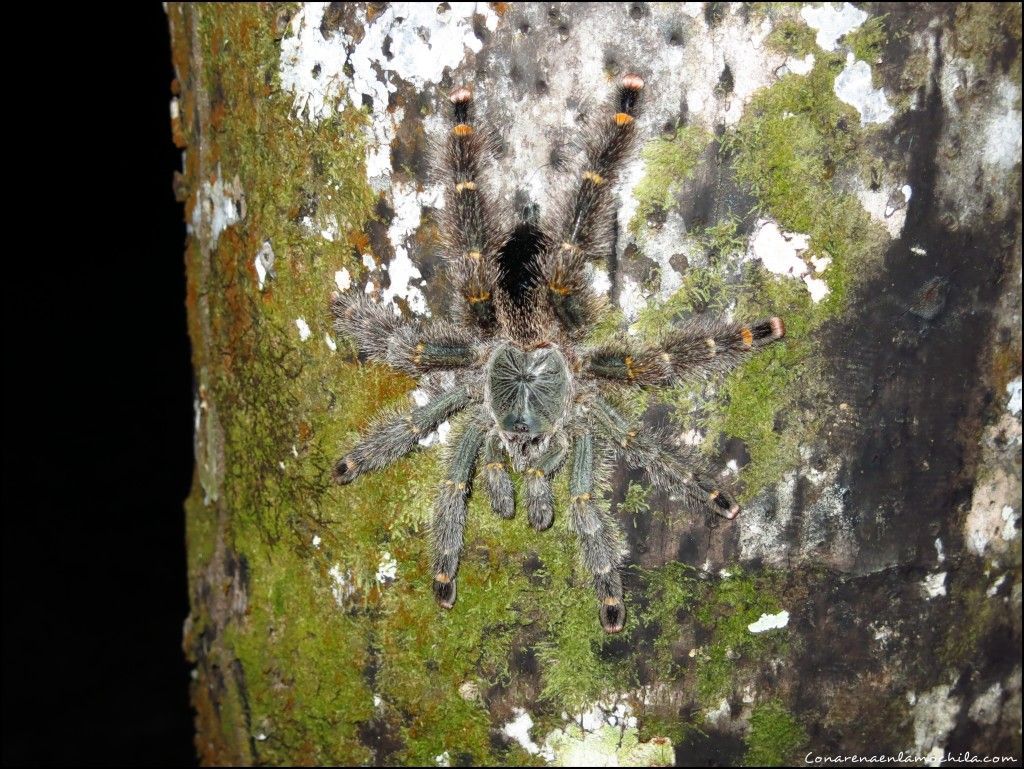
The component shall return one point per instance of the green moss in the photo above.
(774, 737)
(757, 393)
(635, 502)
(303, 661)
(286, 409)
(574, 672)
(670, 590)
(200, 533)
(792, 36)
(868, 40)
(676, 595)
(722, 239)
(976, 620)
(732, 605)
(985, 32)
(667, 164)
(792, 141)
(702, 289)
(608, 327)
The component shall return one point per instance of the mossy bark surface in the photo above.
(867, 601)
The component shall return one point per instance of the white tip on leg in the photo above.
(633, 82)
(460, 95)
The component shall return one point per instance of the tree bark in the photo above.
(854, 170)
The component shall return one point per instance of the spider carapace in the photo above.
(532, 390)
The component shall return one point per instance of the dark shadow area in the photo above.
(518, 261)
(98, 412)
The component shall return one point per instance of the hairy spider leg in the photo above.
(415, 348)
(471, 229)
(540, 506)
(369, 324)
(692, 348)
(678, 469)
(581, 228)
(496, 477)
(601, 542)
(394, 435)
(449, 522)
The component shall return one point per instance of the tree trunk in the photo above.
(854, 170)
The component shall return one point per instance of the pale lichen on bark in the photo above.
(852, 169)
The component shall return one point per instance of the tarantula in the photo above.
(518, 361)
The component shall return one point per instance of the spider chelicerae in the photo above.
(534, 390)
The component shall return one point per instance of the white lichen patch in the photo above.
(599, 280)
(631, 298)
(988, 521)
(993, 589)
(980, 141)
(342, 279)
(217, 207)
(783, 253)
(800, 66)
(935, 714)
(662, 244)
(887, 206)
(443, 759)
(934, 585)
(342, 588)
(718, 715)
(881, 633)
(985, 709)
(518, 729)
(304, 332)
(778, 251)
(607, 746)
(406, 279)
(826, 532)
(684, 79)
(264, 264)
(316, 540)
(331, 344)
(769, 622)
(817, 288)
(387, 568)
(330, 231)
(470, 691)
(1013, 404)
(1002, 149)
(412, 42)
(853, 86)
(992, 526)
(831, 21)
(1009, 530)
